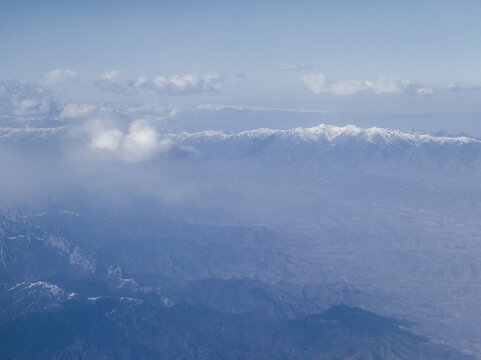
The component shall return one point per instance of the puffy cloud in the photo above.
(108, 139)
(142, 141)
(347, 87)
(139, 143)
(181, 84)
(59, 76)
(25, 100)
(319, 83)
(293, 67)
(185, 84)
(391, 85)
(76, 111)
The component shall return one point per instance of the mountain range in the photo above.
(322, 242)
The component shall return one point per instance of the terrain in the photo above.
(320, 242)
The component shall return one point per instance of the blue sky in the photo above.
(332, 53)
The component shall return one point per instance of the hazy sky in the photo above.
(406, 56)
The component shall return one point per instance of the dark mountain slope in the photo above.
(126, 328)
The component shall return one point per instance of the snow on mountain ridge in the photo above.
(333, 134)
(38, 286)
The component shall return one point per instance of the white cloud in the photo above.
(59, 76)
(293, 67)
(319, 83)
(391, 85)
(139, 143)
(108, 139)
(347, 87)
(425, 91)
(181, 84)
(76, 111)
(112, 75)
(184, 84)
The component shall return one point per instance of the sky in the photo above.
(355, 56)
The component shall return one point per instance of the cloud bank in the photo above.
(181, 84)
(320, 84)
(185, 84)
